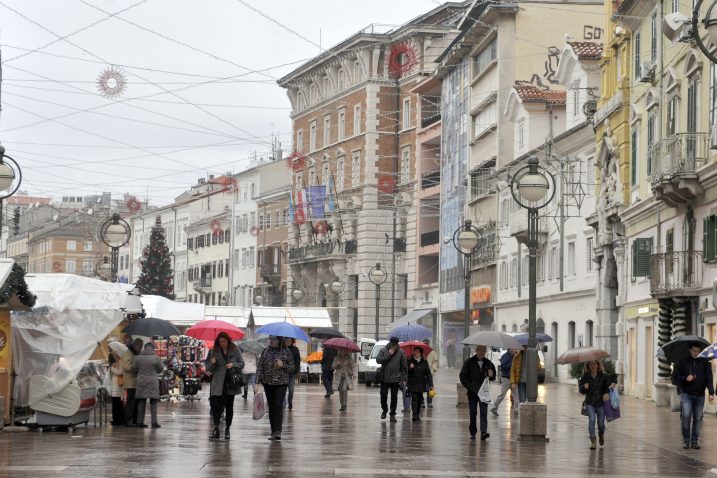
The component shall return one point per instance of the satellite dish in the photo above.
(90, 211)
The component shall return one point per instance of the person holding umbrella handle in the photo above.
(693, 375)
(273, 371)
(594, 384)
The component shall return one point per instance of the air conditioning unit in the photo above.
(645, 73)
(713, 137)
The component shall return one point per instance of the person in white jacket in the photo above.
(249, 372)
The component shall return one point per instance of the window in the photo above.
(675, 6)
(589, 333)
(87, 267)
(571, 334)
(312, 137)
(636, 54)
(540, 265)
(268, 221)
(252, 220)
(261, 222)
(327, 130)
(650, 140)
(634, 137)
(406, 123)
(356, 169)
(71, 245)
(342, 79)
(641, 250)
(285, 214)
(692, 107)
(576, 102)
(485, 119)
(653, 38)
(571, 258)
(552, 270)
(340, 174)
(251, 256)
(215, 239)
(521, 134)
(342, 124)
(325, 173)
(589, 255)
(482, 182)
(357, 120)
(671, 127)
(709, 238)
(524, 267)
(88, 246)
(514, 272)
(70, 266)
(503, 275)
(483, 59)
(312, 177)
(406, 165)
(327, 87)
(299, 140)
(253, 190)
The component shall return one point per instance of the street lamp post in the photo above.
(9, 172)
(465, 240)
(103, 268)
(532, 187)
(298, 295)
(710, 24)
(377, 276)
(115, 233)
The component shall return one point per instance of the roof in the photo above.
(587, 50)
(302, 316)
(238, 316)
(530, 93)
(178, 313)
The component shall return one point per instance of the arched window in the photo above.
(571, 334)
(589, 332)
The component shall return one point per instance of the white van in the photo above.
(366, 346)
(372, 365)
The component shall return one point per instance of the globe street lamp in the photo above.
(336, 286)
(710, 24)
(465, 240)
(10, 179)
(377, 276)
(115, 233)
(532, 187)
(103, 269)
(298, 295)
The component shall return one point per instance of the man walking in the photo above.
(519, 379)
(327, 370)
(474, 371)
(432, 359)
(394, 371)
(506, 361)
(693, 374)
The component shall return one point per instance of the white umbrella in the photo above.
(118, 347)
(492, 339)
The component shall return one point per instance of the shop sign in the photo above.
(645, 310)
(480, 294)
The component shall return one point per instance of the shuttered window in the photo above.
(641, 250)
(709, 238)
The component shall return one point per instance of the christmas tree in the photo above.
(156, 263)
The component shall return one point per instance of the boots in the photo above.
(226, 433)
(215, 434)
(593, 443)
(601, 437)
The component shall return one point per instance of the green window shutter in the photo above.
(708, 242)
(641, 250)
(669, 241)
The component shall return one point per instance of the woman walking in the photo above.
(223, 357)
(420, 379)
(343, 376)
(273, 371)
(148, 366)
(594, 385)
(249, 372)
(117, 390)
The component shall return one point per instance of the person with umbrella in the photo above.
(224, 356)
(290, 343)
(129, 372)
(519, 378)
(327, 370)
(273, 370)
(473, 373)
(148, 365)
(692, 375)
(344, 375)
(395, 371)
(419, 380)
(594, 384)
(506, 364)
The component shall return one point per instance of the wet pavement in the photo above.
(318, 440)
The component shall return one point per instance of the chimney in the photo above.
(200, 181)
(211, 177)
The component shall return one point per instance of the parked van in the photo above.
(372, 365)
(366, 346)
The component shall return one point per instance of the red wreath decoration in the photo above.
(133, 205)
(320, 227)
(254, 231)
(296, 161)
(216, 226)
(402, 59)
(228, 183)
(56, 266)
(386, 184)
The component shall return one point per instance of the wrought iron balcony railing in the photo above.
(676, 273)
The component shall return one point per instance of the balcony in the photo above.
(321, 250)
(676, 274)
(430, 238)
(430, 179)
(674, 162)
(519, 227)
(202, 283)
(430, 110)
(486, 252)
(269, 271)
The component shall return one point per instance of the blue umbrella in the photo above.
(283, 329)
(709, 352)
(523, 338)
(407, 332)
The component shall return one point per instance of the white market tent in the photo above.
(305, 317)
(238, 316)
(178, 313)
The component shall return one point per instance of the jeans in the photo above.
(290, 388)
(504, 387)
(473, 405)
(250, 380)
(328, 378)
(275, 402)
(416, 402)
(130, 407)
(691, 408)
(385, 387)
(593, 413)
(141, 407)
(219, 403)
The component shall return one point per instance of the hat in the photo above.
(393, 340)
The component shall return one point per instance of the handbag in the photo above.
(584, 409)
(259, 408)
(235, 378)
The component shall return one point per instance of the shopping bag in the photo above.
(610, 412)
(259, 407)
(484, 392)
(614, 398)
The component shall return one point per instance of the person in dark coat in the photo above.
(224, 356)
(275, 366)
(473, 373)
(148, 365)
(395, 372)
(694, 375)
(594, 384)
(327, 370)
(129, 372)
(291, 345)
(420, 379)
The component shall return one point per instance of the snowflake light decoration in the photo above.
(111, 83)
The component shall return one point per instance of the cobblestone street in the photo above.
(319, 440)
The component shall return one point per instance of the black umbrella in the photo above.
(325, 333)
(679, 348)
(149, 327)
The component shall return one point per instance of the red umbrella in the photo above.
(341, 343)
(209, 329)
(408, 347)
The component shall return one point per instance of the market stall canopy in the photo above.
(410, 318)
(178, 313)
(300, 316)
(238, 316)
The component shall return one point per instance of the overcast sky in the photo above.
(201, 94)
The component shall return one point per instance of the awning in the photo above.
(302, 316)
(412, 317)
(178, 313)
(238, 316)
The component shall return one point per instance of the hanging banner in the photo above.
(330, 192)
(300, 212)
(317, 199)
